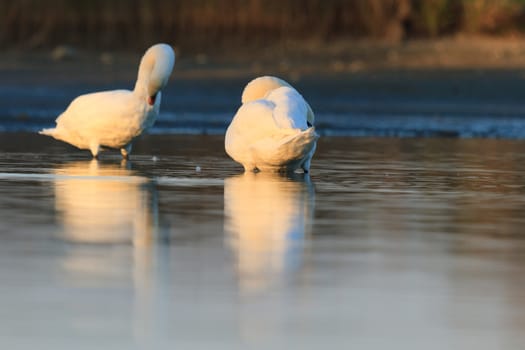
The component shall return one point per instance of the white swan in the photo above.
(113, 119)
(273, 129)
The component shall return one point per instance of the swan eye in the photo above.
(151, 99)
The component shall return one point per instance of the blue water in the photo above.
(462, 104)
(390, 243)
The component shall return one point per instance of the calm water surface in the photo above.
(390, 243)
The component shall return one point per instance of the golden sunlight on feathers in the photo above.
(273, 129)
(113, 119)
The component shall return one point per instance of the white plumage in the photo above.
(273, 129)
(112, 119)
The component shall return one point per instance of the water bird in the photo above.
(113, 119)
(273, 130)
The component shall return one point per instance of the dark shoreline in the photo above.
(472, 96)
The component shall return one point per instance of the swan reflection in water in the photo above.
(104, 203)
(267, 217)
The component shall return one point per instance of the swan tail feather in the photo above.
(301, 139)
(292, 149)
(56, 133)
(48, 132)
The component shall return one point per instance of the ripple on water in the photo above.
(399, 238)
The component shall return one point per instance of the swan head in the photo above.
(261, 87)
(155, 70)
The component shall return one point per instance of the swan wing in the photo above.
(284, 149)
(252, 122)
(290, 108)
(111, 117)
(98, 110)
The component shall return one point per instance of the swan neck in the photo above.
(155, 69)
(144, 73)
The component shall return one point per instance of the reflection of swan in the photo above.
(102, 203)
(273, 129)
(267, 217)
(114, 118)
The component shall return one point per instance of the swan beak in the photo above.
(151, 100)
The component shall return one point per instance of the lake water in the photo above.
(412, 103)
(411, 241)
(400, 243)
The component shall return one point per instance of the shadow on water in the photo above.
(267, 217)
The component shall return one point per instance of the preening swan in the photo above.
(273, 129)
(112, 119)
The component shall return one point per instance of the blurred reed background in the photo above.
(200, 24)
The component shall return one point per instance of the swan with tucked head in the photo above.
(273, 129)
(113, 119)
